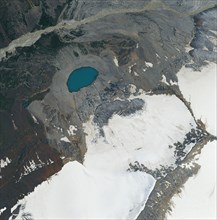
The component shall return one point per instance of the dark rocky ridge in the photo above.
(35, 79)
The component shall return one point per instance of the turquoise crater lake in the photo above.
(81, 77)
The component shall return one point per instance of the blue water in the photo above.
(81, 77)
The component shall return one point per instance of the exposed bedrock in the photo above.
(204, 43)
(106, 110)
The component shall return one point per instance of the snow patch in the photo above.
(4, 162)
(115, 61)
(65, 139)
(132, 88)
(72, 130)
(14, 125)
(58, 128)
(32, 166)
(2, 210)
(135, 73)
(148, 64)
(34, 119)
(130, 67)
(164, 80)
(173, 83)
(188, 48)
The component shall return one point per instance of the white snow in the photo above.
(199, 88)
(198, 198)
(132, 88)
(58, 128)
(31, 166)
(49, 162)
(34, 119)
(164, 79)
(77, 193)
(72, 130)
(14, 207)
(14, 125)
(157, 55)
(65, 139)
(148, 64)
(130, 67)
(144, 137)
(173, 83)
(135, 73)
(4, 162)
(102, 188)
(115, 61)
(2, 210)
(40, 161)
